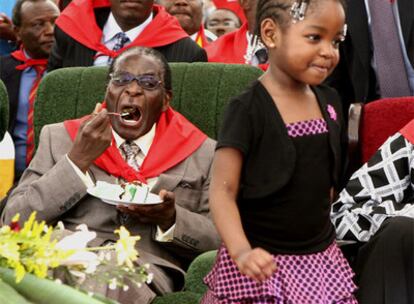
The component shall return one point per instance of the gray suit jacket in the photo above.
(51, 187)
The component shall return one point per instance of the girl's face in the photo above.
(307, 51)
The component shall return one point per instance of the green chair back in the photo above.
(4, 110)
(200, 92)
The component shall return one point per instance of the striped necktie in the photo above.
(130, 151)
(30, 146)
(121, 40)
(390, 66)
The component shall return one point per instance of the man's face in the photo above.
(143, 105)
(188, 12)
(222, 21)
(37, 25)
(131, 13)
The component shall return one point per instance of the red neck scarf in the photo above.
(39, 64)
(230, 48)
(408, 131)
(175, 139)
(201, 38)
(78, 21)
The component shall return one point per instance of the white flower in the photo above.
(149, 278)
(112, 284)
(77, 240)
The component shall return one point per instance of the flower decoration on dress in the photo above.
(332, 112)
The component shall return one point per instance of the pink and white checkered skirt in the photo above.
(319, 278)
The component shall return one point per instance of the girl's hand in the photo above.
(257, 264)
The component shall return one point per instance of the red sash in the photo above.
(201, 38)
(408, 131)
(78, 21)
(232, 5)
(230, 48)
(27, 62)
(175, 139)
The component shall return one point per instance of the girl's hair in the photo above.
(283, 12)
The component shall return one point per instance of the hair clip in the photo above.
(298, 10)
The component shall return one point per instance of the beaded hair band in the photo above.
(298, 10)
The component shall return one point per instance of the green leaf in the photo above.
(43, 291)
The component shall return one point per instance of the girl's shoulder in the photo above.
(251, 96)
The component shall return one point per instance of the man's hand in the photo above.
(162, 215)
(6, 28)
(93, 138)
(257, 264)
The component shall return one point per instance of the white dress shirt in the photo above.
(111, 29)
(144, 143)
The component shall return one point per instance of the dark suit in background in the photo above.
(11, 78)
(67, 52)
(354, 77)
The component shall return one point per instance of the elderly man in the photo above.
(376, 209)
(190, 15)
(22, 71)
(222, 21)
(92, 32)
(153, 144)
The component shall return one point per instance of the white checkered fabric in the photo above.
(380, 189)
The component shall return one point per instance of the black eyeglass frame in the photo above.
(137, 78)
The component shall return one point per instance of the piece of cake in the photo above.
(134, 192)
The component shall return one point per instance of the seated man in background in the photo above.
(190, 15)
(22, 71)
(152, 144)
(222, 21)
(241, 46)
(376, 209)
(92, 32)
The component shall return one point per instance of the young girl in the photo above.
(279, 157)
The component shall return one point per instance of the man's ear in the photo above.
(16, 30)
(167, 98)
(270, 33)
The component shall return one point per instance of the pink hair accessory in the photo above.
(332, 112)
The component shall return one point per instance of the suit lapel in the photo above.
(11, 78)
(170, 179)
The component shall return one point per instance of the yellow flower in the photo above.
(125, 247)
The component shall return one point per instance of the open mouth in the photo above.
(131, 115)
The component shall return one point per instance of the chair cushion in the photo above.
(198, 269)
(381, 119)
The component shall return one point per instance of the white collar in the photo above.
(144, 142)
(111, 28)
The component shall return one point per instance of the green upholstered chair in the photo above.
(200, 92)
(4, 110)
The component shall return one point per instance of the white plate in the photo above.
(111, 197)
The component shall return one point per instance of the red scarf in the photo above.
(230, 48)
(27, 62)
(201, 38)
(78, 21)
(408, 131)
(175, 139)
(232, 5)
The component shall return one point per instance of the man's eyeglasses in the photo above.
(146, 81)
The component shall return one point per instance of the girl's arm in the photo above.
(256, 263)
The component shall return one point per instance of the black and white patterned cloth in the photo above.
(380, 189)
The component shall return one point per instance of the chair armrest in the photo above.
(354, 120)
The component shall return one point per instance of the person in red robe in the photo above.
(241, 46)
(93, 32)
(190, 15)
